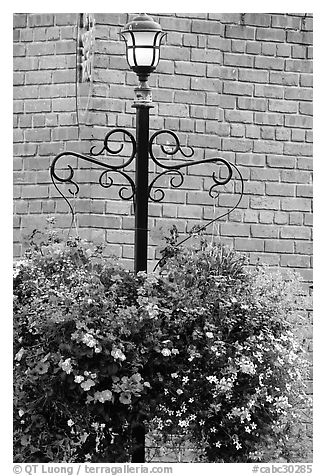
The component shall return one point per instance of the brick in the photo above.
(283, 50)
(279, 246)
(298, 149)
(239, 116)
(252, 104)
(295, 176)
(295, 261)
(202, 26)
(238, 46)
(306, 108)
(284, 78)
(285, 21)
(264, 203)
(282, 134)
(19, 20)
(38, 77)
(298, 135)
(269, 63)
(268, 91)
(298, 65)
(268, 147)
(306, 80)
(300, 37)
(266, 217)
(304, 122)
(282, 106)
(191, 69)
(238, 89)
(304, 191)
(264, 231)
(32, 191)
(268, 34)
(268, 133)
(234, 229)
(237, 145)
(189, 97)
(40, 19)
(305, 248)
(281, 218)
(281, 161)
(280, 189)
(38, 105)
(253, 47)
(37, 135)
(241, 32)
(301, 94)
(252, 160)
(238, 60)
(253, 76)
(257, 19)
(250, 244)
(296, 204)
(40, 48)
(65, 47)
(268, 175)
(296, 218)
(203, 84)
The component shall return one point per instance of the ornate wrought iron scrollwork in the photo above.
(105, 180)
(175, 168)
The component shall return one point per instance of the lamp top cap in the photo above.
(142, 22)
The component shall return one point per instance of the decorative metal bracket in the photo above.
(108, 168)
(155, 194)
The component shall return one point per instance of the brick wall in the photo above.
(234, 85)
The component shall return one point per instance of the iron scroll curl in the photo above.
(66, 175)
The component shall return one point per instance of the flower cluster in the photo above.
(203, 351)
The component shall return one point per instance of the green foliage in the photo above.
(204, 351)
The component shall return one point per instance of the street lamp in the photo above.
(143, 38)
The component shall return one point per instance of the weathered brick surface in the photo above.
(231, 85)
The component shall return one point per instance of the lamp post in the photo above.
(143, 38)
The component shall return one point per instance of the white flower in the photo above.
(191, 400)
(166, 352)
(104, 396)
(210, 335)
(118, 354)
(70, 422)
(19, 354)
(89, 340)
(79, 378)
(185, 379)
(247, 429)
(87, 384)
(218, 444)
(21, 413)
(66, 365)
(175, 351)
(179, 391)
(175, 375)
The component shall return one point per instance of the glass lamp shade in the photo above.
(143, 38)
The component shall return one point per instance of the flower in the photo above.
(104, 396)
(217, 444)
(78, 378)
(210, 335)
(166, 352)
(66, 365)
(70, 422)
(117, 354)
(87, 384)
(185, 379)
(42, 367)
(179, 391)
(174, 375)
(21, 413)
(125, 398)
(89, 340)
(19, 354)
